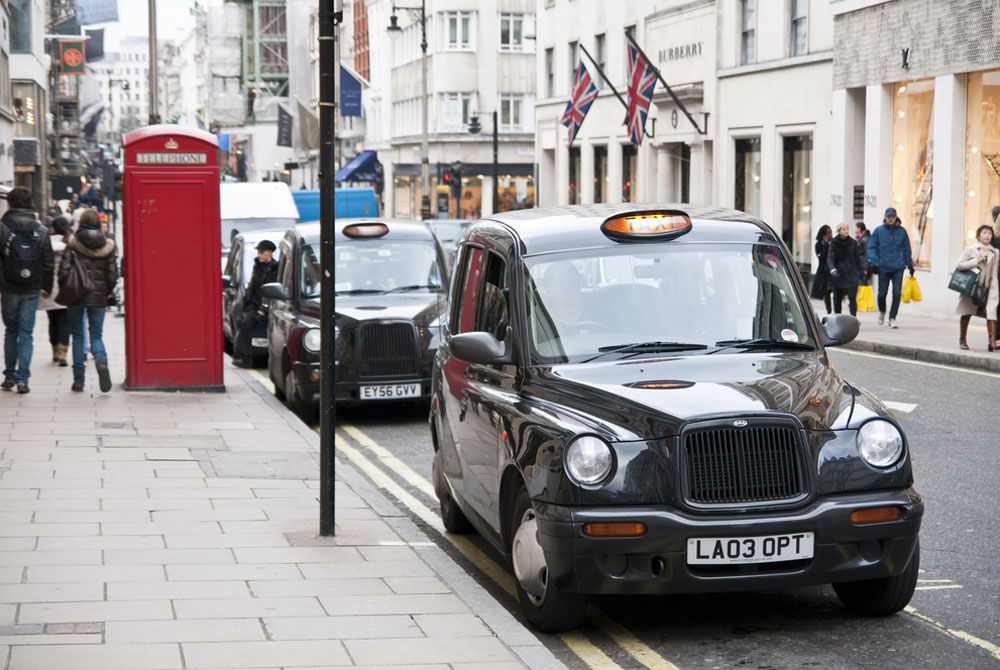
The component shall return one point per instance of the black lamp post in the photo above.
(475, 127)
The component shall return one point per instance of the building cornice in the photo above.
(783, 64)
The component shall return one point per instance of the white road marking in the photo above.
(905, 407)
(950, 368)
(938, 587)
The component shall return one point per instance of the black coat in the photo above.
(16, 220)
(821, 282)
(98, 253)
(263, 273)
(844, 261)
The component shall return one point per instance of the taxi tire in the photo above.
(452, 517)
(307, 411)
(277, 388)
(883, 596)
(560, 610)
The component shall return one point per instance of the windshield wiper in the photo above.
(360, 291)
(413, 287)
(765, 343)
(646, 348)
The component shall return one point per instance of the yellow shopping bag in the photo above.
(907, 293)
(914, 289)
(866, 299)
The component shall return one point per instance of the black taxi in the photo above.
(390, 288)
(638, 400)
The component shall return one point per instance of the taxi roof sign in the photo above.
(639, 226)
(366, 230)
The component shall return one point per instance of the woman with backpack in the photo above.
(58, 315)
(90, 251)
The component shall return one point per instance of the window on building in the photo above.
(458, 30)
(600, 174)
(600, 49)
(511, 32)
(748, 32)
(510, 112)
(6, 95)
(550, 74)
(799, 35)
(574, 175)
(574, 60)
(748, 175)
(796, 211)
(630, 165)
(913, 163)
(20, 26)
(455, 111)
(982, 151)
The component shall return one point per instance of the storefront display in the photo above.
(913, 163)
(982, 151)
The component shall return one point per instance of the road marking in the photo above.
(588, 653)
(959, 634)
(259, 376)
(905, 407)
(950, 368)
(938, 587)
(391, 461)
(933, 581)
(635, 647)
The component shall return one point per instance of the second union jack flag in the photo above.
(584, 94)
(641, 81)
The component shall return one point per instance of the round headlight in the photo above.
(880, 443)
(311, 340)
(588, 459)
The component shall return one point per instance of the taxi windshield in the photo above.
(647, 298)
(375, 266)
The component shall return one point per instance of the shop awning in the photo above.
(361, 168)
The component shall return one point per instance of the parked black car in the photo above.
(390, 285)
(236, 280)
(638, 400)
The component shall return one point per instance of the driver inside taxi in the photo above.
(563, 295)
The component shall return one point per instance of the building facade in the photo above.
(29, 68)
(916, 126)
(6, 100)
(123, 77)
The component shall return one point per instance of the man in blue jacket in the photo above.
(888, 255)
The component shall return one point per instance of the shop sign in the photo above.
(682, 46)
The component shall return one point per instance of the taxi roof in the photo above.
(568, 227)
(399, 229)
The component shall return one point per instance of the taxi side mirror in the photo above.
(479, 347)
(227, 281)
(274, 291)
(839, 329)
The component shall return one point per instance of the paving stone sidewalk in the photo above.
(157, 531)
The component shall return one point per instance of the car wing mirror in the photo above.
(274, 291)
(479, 347)
(839, 329)
(227, 281)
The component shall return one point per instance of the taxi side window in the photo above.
(493, 314)
(285, 271)
(467, 298)
(233, 264)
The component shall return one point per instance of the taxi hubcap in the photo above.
(529, 559)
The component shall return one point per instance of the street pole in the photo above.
(425, 165)
(496, 158)
(154, 103)
(329, 57)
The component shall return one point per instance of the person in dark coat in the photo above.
(995, 214)
(254, 307)
(845, 269)
(821, 282)
(862, 235)
(101, 259)
(888, 255)
(28, 267)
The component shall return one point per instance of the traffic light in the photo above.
(448, 178)
(456, 180)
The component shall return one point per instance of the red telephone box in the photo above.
(173, 287)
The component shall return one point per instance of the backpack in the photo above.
(22, 257)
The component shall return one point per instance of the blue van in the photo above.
(351, 203)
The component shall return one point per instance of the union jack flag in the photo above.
(584, 94)
(641, 81)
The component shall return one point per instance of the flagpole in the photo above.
(614, 90)
(663, 81)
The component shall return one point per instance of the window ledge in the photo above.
(780, 64)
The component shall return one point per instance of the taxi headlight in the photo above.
(880, 443)
(588, 460)
(311, 340)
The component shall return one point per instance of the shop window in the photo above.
(913, 163)
(600, 173)
(748, 175)
(574, 175)
(796, 214)
(982, 152)
(630, 164)
(685, 173)
(515, 192)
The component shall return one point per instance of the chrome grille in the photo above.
(726, 466)
(388, 349)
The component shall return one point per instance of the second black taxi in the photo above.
(638, 400)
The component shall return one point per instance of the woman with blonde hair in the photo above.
(844, 262)
(984, 257)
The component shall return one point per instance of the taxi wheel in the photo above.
(883, 596)
(547, 608)
(277, 387)
(453, 518)
(307, 411)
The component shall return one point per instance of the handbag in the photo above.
(76, 285)
(964, 282)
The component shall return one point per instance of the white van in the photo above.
(247, 207)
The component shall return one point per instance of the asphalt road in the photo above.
(954, 619)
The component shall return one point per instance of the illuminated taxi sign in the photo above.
(366, 230)
(647, 225)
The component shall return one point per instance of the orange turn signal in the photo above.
(615, 529)
(656, 225)
(876, 515)
(366, 230)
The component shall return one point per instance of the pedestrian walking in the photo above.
(28, 266)
(861, 236)
(888, 255)
(821, 282)
(995, 214)
(984, 257)
(57, 314)
(845, 269)
(100, 259)
(254, 307)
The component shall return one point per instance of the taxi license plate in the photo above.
(390, 391)
(759, 549)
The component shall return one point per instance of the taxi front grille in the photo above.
(734, 466)
(388, 349)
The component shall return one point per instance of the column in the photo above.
(614, 171)
(586, 173)
(664, 175)
(487, 191)
(948, 131)
(561, 185)
(878, 152)
(847, 152)
(389, 191)
(701, 173)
